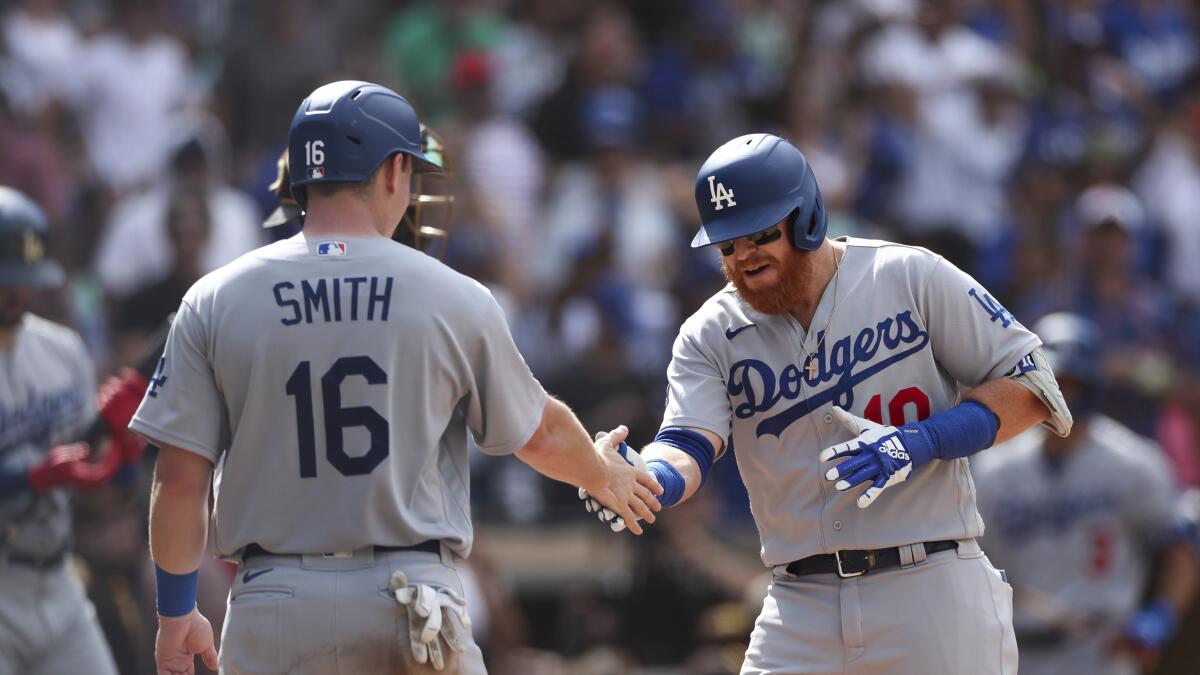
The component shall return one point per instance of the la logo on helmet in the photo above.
(719, 194)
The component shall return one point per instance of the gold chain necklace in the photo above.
(810, 363)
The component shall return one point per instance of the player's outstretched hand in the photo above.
(179, 639)
(646, 494)
(877, 455)
(629, 493)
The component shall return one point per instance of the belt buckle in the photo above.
(338, 555)
(868, 564)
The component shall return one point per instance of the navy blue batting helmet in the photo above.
(345, 130)
(753, 182)
(24, 243)
(1072, 345)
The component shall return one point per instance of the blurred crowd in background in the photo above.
(1050, 148)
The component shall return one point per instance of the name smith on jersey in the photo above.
(364, 298)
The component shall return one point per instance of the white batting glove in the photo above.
(432, 612)
(877, 455)
(615, 523)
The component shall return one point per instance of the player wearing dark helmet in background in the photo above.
(47, 390)
(1077, 520)
(328, 382)
(853, 377)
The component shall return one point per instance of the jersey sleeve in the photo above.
(696, 393)
(183, 406)
(973, 336)
(506, 401)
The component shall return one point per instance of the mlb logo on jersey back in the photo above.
(317, 172)
(331, 248)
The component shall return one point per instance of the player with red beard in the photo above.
(836, 363)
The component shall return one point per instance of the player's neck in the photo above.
(825, 262)
(8, 338)
(341, 215)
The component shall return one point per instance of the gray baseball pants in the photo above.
(315, 614)
(47, 624)
(949, 615)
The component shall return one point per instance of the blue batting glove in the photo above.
(879, 455)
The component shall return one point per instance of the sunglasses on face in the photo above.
(758, 239)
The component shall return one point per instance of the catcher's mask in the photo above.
(426, 224)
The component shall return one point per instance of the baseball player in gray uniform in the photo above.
(1076, 521)
(853, 377)
(47, 385)
(324, 386)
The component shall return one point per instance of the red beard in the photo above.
(794, 271)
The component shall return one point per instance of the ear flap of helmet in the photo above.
(808, 229)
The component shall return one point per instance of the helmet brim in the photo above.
(740, 224)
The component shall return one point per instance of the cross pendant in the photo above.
(811, 368)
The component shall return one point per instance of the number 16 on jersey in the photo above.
(337, 417)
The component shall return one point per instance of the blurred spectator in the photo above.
(1132, 311)
(423, 40)
(969, 128)
(44, 52)
(607, 55)
(138, 316)
(271, 67)
(132, 80)
(135, 249)
(1157, 38)
(616, 190)
(531, 58)
(697, 84)
(1168, 181)
(502, 166)
(33, 163)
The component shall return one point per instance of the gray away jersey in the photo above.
(1078, 534)
(334, 382)
(909, 334)
(47, 389)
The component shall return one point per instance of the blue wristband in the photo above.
(1152, 626)
(694, 444)
(669, 478)
(958, 432)
(176, 592)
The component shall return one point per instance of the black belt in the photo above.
(854, 563)
(429, 546)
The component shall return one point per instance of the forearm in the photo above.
(687, 467)
(560, 449)
(1179, 577)
(178, 529)
(1015, 406)
(179, 510)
